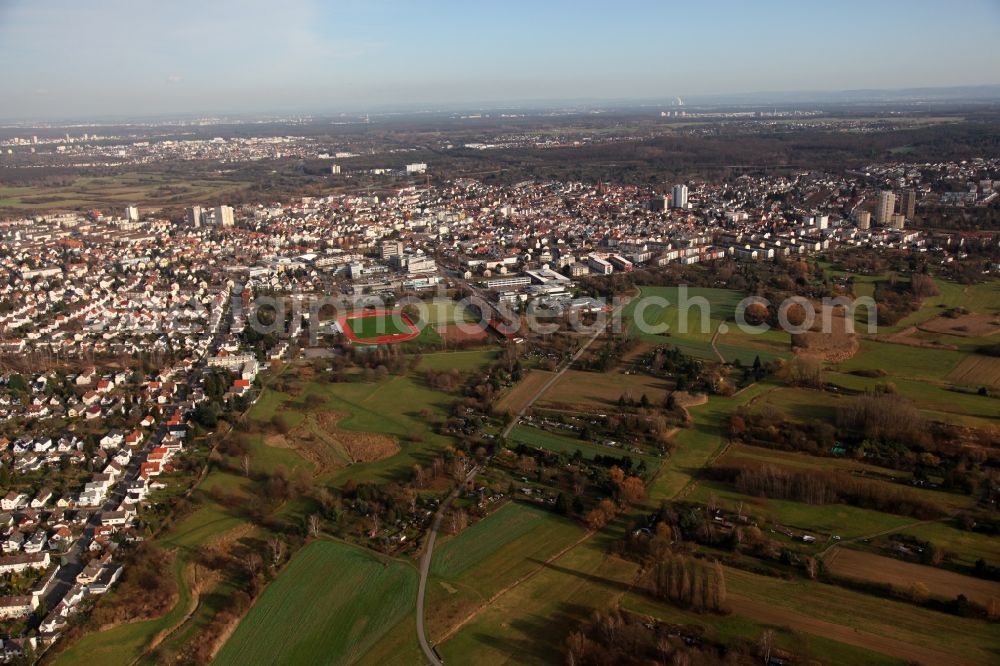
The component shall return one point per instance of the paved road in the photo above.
(425, 566)
(561, 372)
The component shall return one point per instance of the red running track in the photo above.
(382, 339)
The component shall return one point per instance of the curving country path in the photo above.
(425, 566)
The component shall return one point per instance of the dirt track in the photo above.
(899, 574)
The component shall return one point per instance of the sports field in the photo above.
(332, 604)
(376, 327)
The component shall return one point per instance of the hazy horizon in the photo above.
(117, 59)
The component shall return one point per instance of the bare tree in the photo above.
(664, 647)
(252, 563)
(766, 644)
(812, 567)
(314, 524)
(277, 548)
(245, 465)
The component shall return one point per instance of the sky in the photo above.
(101, 58)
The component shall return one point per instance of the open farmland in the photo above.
(522, 393)
(586, 390)
(470, 569)
(901, 575)
(749, 628)
(977, 370)
(551, 441)
(84, 192)
(892, 627)
(529, 622)
(332, 601)
(961, 546)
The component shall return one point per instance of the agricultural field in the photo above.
(87, 192)
(891, 627)
(551, 441)
(901, 575)
(731, 627)
(469, 569)
(521, 394)
(961, 546)
(331, 599)
(585, 391)
(739, 454)
(529, 622)
(976, 370)
(696, 446)
(820, 520)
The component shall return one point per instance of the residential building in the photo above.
(886, 208)
(680, 196)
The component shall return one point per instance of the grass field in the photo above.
(444, 311)
(695, 446)
(528, 624)
(390, 407)
(602, 390)
(963, 547)
(402, 407)
(86, 192)
(692, 318)
(934, 399)
(741, 453)
(945, 638)
(370, 326)
(125, 643)
(901, 575)
(840, 519)
(331, 604)
(471, 568)
(903, 361)
(520, 394)
(463, 361)
(726, 628)
(562, 444)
